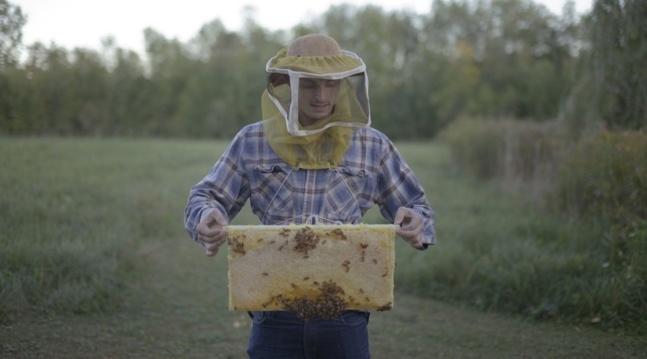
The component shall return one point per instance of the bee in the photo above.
(339, 233)
(267, 303)
(284, 232)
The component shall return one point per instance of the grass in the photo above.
(543, 263)
(95, 227)
(73, 211)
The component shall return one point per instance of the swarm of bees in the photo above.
(328, 303)
(236, 245)
(306, 240)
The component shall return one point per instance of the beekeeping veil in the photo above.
(321, 144)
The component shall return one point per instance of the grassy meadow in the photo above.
(75, 213)
(95, 262)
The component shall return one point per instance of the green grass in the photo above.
(95, 226)
(75, 212)
(498, 253)
(578, 254)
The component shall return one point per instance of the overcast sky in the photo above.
(83, 23)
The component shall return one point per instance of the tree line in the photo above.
(480, 59)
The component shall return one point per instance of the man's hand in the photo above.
(211, 232)
(411, 226)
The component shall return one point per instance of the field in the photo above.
(95, 263)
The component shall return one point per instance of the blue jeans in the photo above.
(282, 335)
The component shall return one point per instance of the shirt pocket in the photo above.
(348, 195)
(271, 198)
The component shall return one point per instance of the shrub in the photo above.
(605, 180)
(606, 176)
(581, 261)
(476, 146)
(520, 155)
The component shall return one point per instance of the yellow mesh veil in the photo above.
(319, 150)
(323, 144)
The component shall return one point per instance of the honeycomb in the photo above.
(312, 270)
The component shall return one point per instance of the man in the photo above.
(313, 159)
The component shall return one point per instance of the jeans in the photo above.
(282, 335)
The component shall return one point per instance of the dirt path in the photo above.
(179, 310)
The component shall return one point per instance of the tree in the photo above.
(515, 66)
(613, 87)
(480, 58)
(12, 86)
(11, 22)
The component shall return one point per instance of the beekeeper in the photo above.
(313, 159)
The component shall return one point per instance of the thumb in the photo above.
(217, 217)
(400, 216)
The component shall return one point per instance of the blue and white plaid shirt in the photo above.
(371, 172)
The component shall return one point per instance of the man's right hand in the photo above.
(211, 231)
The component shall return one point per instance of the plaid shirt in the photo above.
(371, 172)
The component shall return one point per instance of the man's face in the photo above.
(317, 98)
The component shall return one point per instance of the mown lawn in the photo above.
(95, 263)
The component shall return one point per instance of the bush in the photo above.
(520, 155)
(605, 180)
(606, 176)
(584, 259)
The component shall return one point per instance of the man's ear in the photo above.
(278, 79)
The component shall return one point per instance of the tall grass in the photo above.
(589, 199)
(605, 179)
(494, 253)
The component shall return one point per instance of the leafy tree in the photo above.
(89, 93)
(612, 90)
(12, 95)
(11, 22)
(512, 47)
(171, 68)
(130, 93)
(486, 58)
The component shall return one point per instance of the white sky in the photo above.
(83, 23)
